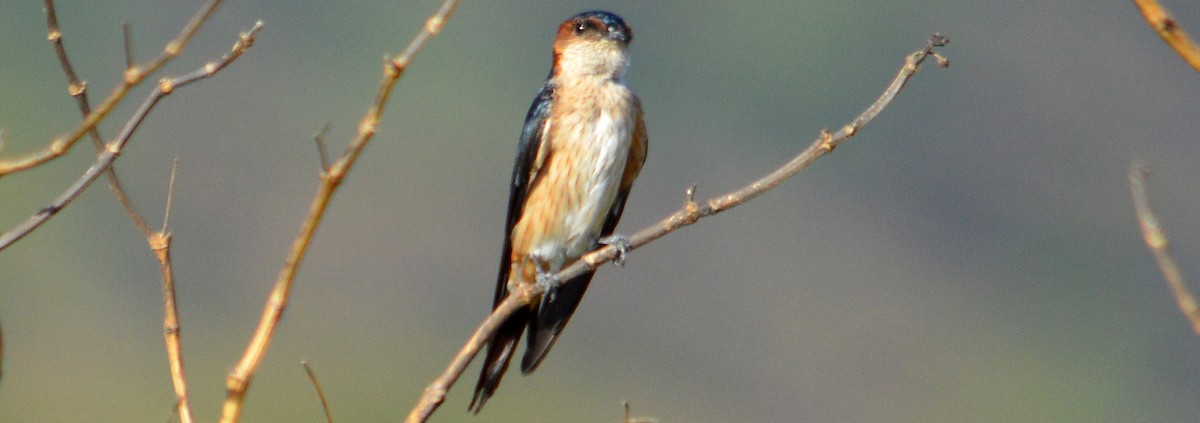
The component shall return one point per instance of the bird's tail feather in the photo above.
(499, 353)
(552, 316)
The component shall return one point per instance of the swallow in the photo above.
(583, 144)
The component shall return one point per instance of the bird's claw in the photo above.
(549, 282)
(621, 244)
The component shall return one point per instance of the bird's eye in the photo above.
(580, 27)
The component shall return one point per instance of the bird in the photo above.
(583, 145)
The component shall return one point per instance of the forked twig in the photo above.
(238, 380)
(160, 243)
(78, 90)
(691, 212)
(1170, 31)
(133, 77)
(1157, 242)
(103, 161)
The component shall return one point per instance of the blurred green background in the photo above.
(971, 255)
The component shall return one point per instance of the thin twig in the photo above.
(133, 77)
(78, 90)
(170, 195)
(113, 149)
(171, 416)
(321, 150)
(629, 418)
(238, 380)
(691, 212)
(1156, 241)
(160, 243)
(320, 392)
(127, 37)
(1170, 31)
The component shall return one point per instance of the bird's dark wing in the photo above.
(556, 310)
(500, 349)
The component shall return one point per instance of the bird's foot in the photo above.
(550, 283)
(621, 244)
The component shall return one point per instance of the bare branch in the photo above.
(691, 212)
(114, 148)
(78, 90)
(238, 380)
(133, 77)
(1157, 242)
(160, 243)
(320, 392)
(1170, 31)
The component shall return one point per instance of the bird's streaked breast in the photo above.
(589, 140)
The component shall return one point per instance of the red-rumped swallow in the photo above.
(583, 144)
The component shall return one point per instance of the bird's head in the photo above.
(592, 44)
